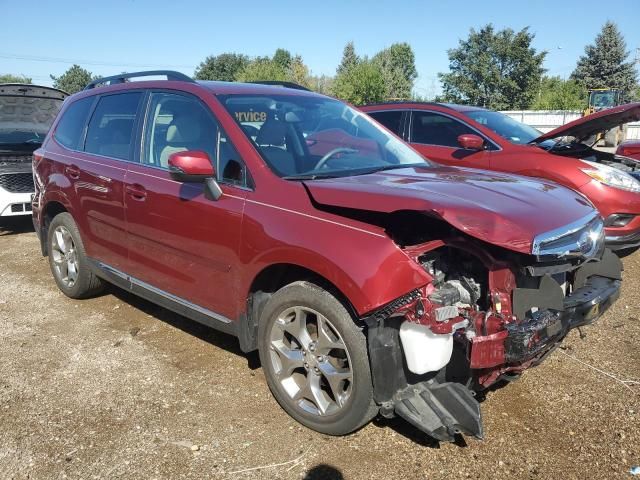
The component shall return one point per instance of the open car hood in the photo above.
(601, 121)
(29, 107)
(504, 210)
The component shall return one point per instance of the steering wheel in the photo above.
(330, 154)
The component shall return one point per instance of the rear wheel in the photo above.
(315, 360)
(68, 261)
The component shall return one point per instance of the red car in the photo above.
(479, 138)
(630, 149)
(369, 279)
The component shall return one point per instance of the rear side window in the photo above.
(71, 126)
(434, 129)
(391, 119)
(111, 127)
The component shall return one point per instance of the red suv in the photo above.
(479, 138)
(369, 279)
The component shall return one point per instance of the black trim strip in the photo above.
(164, 299)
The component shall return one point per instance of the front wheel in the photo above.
(315, 360)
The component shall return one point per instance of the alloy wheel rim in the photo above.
(311, 361)
(65, 258)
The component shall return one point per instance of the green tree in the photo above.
(298, 72)
(262, 68)
(321, 83)
(224, 67)
(73, 80)
(283, 58)
(495, 69)
(349, 58)
(604, 63)
(398, 68)
(360, 84)
(558, 94)
(10, 78)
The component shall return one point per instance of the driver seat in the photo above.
(272, 142)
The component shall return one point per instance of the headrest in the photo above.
(272, 132)
(183, 129)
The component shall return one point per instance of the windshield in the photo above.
(505, 126)
(303, 136)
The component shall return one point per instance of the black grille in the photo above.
(17, 182)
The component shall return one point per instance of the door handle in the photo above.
(136, 191)
(73, 171)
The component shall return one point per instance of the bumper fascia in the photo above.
(623, 242)
(526, 344)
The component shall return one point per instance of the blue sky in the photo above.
(127, 35)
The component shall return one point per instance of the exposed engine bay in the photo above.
(586, 152)
(481, 321)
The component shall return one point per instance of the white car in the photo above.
(26, 113)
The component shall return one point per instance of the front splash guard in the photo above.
(442, 410)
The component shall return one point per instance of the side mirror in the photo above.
(194, 166)
(470, 141)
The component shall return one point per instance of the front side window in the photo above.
(392, 119)
(178, 123)
(309, 136)
(505, 126)
(435, 129)
(111, 127)
(70, 128)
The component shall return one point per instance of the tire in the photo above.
(65, 248)
(309, 362)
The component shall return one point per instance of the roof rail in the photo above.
(170, 74)
(282, 84)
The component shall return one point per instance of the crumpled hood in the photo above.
(585, 127)
(504, 210)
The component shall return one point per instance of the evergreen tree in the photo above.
(349, 58)
(604, 63)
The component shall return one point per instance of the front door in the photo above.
(436, 137)
(179, 242)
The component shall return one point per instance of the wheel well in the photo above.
(265, 284)
(50, 211)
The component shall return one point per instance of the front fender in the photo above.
(364, 265)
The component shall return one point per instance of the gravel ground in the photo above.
(115, 387)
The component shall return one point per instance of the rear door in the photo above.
(180, 243)
(95, 169)
(435, 135)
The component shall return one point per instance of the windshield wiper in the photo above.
(310, 176)
(393, 167)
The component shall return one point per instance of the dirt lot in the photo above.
(115, 387)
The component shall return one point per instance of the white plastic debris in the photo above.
(635, 471)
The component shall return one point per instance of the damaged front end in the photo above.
(487, 315)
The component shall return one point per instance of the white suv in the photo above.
(26, 113)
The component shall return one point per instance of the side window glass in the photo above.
(111, 127)
(71, 126)
(177, 123)
(230, 168)
(434, 129)
(391, 119)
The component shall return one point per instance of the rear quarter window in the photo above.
(71, 126)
